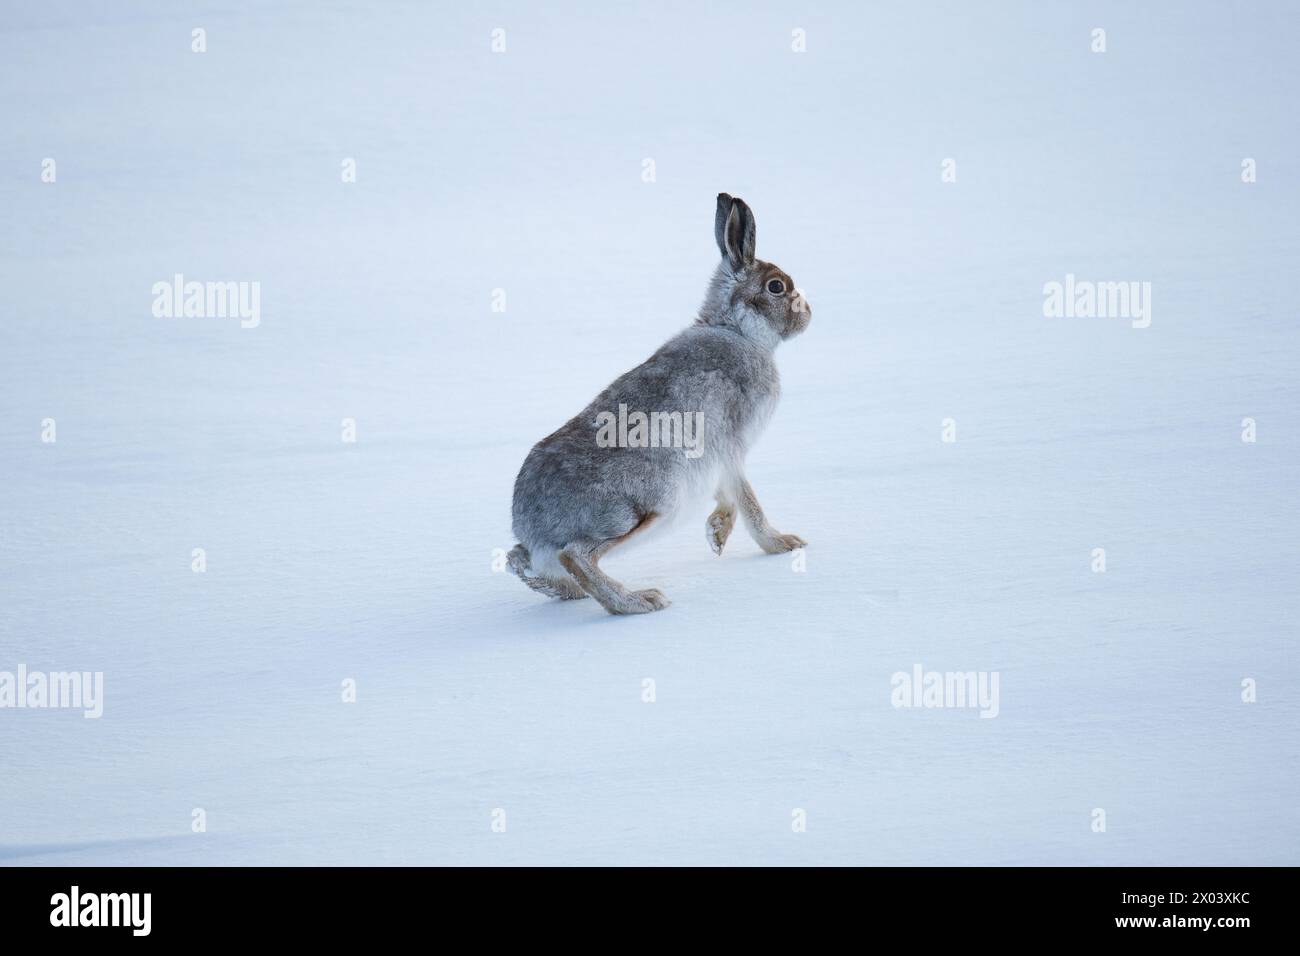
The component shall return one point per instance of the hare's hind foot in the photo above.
(520, 563)
(561, 588)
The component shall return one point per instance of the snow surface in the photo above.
(522, 171)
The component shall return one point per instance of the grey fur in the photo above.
(574, 500)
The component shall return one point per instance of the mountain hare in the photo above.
(694, 408)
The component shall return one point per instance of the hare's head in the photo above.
(749, 295)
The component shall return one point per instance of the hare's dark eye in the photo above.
(775, 286)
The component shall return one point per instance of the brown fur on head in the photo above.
(754, 297)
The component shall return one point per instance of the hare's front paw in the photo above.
(643, 602)
(780, 543)
(718, 528)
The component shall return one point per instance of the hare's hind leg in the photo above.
(580, 560)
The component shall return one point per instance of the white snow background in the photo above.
(522, 171)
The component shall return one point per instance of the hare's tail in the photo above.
(520, 563)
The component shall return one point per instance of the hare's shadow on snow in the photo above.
(699, 593)
(11, 852)
(552, 618)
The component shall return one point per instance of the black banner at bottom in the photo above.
(1223, 906)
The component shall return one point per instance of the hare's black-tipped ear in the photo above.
(733, 227)
(720, 222)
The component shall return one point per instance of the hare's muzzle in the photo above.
(800, 314)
